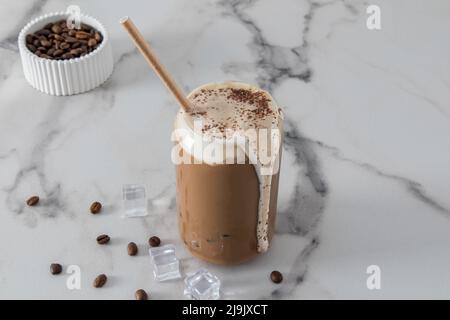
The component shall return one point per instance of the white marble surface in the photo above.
(366, 169)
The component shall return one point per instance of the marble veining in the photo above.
(415, 189)
(365, 162)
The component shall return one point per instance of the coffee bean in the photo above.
(141, 295)
(132, 249)
(276, 276)
(103, 239)
(51, 51)
(42, 49)
(33, 201)
(64, 46)
(154, 241)
(45, 43)
(85, 27)
(56, 29)
(48, 26)
(57, 53)
(46, 56)
(92, 42)
(29, 39)
(98, 37)
(70, 39)
(58, 37)
(82, 35)
(72, 33)
(96, 207)
(76, 45)
(100, 281)
(31, 48)
(55, 268)
(67, 56)
(36, 43)
(43, 32)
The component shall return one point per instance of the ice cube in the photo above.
(165, 264)
(202, 285)
(134, 200)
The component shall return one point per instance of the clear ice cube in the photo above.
(202, 285)
(134, 200)
(165, 264)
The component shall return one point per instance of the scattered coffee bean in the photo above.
(33, 201)
(276, 276)
(141, 295)
(96, 207)
(154, 241)
(103, 239)
(132, 249)
(55, 268)
(57, 36)
(100, 281)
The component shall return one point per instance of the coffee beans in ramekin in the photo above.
(56, 41)
(61, 61)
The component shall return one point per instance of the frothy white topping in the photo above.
(233, 116)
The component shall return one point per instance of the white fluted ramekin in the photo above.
(66, 77)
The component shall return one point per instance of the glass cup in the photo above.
(219, 205)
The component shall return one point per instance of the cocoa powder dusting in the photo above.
(257, 99)
(251, 107)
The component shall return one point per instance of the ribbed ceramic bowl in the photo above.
(66, 77)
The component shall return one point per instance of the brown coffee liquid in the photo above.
(218, 210)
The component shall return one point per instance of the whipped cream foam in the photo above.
(233, 122)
